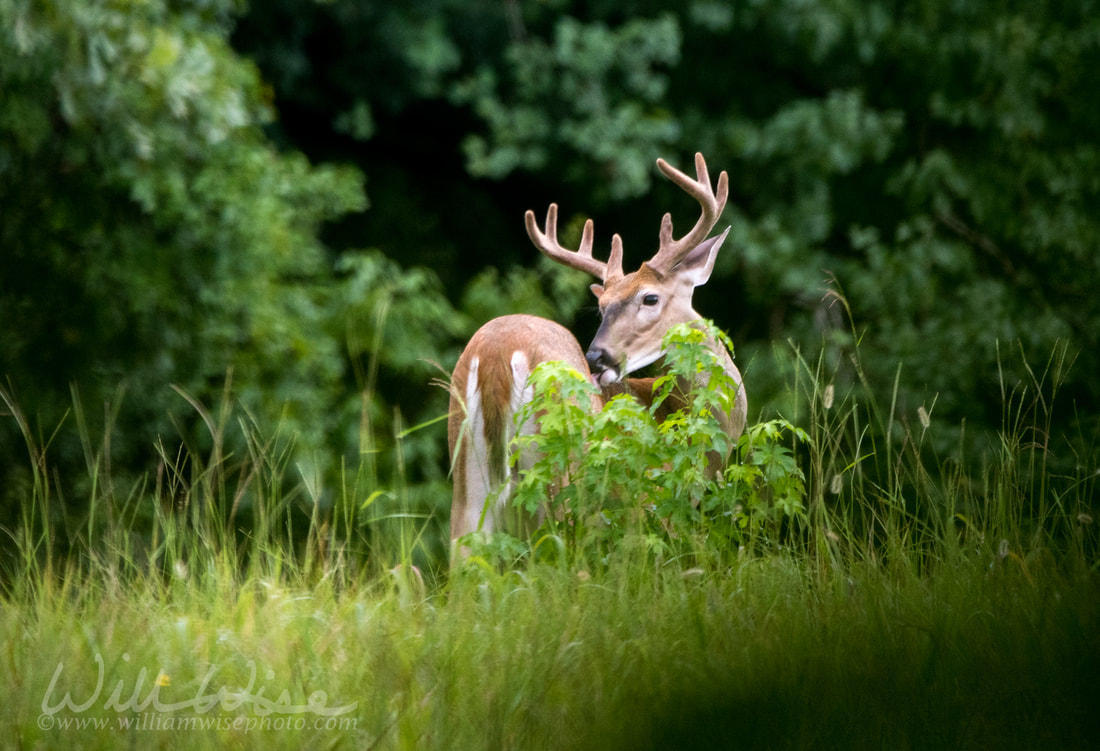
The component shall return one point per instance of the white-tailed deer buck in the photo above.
(637, 309)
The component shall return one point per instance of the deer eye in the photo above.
(650, 300)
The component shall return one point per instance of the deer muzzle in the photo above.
(605, 368)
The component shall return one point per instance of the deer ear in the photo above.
(699, 263)
(597, 290)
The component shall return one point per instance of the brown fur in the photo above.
(493, 344)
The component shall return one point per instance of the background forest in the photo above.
(300, 209)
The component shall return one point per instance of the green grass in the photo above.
(915, 606)
(767, 655)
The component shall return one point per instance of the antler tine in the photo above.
(615, 260)
(671, 250)
(581, 258)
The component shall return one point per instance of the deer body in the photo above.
(637, 310)
(488, 388)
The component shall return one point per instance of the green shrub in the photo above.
(621, 476)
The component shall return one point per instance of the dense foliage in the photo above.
(920, 178)
(151, 235)
(153, 238)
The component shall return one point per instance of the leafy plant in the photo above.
(678, 484)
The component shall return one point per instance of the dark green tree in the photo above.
(153, 237)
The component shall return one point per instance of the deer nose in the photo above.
(599, 359)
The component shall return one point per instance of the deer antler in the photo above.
(581, 258)
(672, 251)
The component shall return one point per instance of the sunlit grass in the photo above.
(921, 604)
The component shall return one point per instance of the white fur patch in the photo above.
(636, 363)
(607, 377)
(522, 393)
(477, 454)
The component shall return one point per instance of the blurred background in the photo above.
(222, 220)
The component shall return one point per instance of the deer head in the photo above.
(638, 308)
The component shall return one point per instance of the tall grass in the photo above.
(921, 603)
